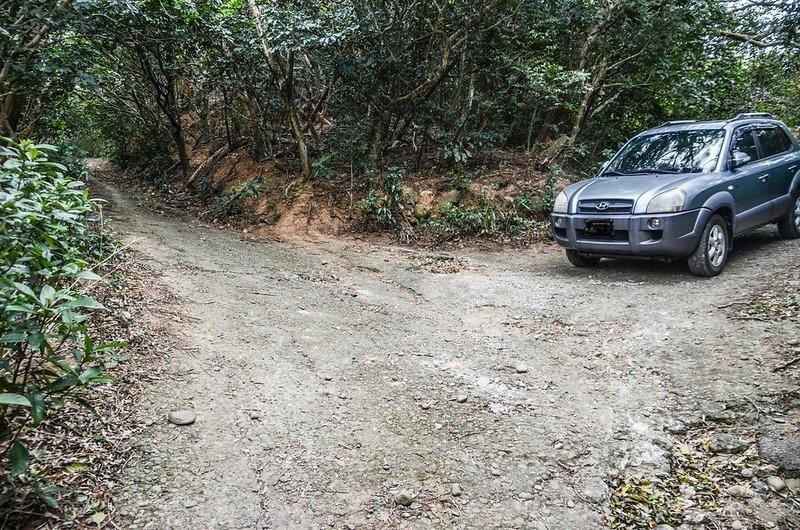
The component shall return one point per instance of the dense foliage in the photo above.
(368, 84)
(374, 90)
(48, 248)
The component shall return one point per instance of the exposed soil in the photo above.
(327, 377)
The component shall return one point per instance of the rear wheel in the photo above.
(789, 226)
(711, 254)
(579, 260)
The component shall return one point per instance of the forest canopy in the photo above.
(373, 83)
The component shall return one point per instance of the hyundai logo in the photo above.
(602, 206)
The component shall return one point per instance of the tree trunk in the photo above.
(379, 127)
(176, 132)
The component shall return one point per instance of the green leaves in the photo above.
(20, 459)
(47, 243)
(14, 399)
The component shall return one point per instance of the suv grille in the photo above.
(614, 206)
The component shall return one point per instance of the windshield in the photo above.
(694, 151)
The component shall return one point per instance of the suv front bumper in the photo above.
(677, 235)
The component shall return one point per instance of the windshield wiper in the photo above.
(612, 173)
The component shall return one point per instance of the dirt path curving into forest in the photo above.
(328, 377)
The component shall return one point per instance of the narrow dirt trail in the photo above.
(326, 379)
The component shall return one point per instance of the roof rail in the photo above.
(750, 115)
(677, 122)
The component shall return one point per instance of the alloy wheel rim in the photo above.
(716, 245)
(797, 214)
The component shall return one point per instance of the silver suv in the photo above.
(684, 190)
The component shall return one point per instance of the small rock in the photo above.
(182, 417)
(747, 472)
(461, 398)
(776, 483)
(700, 518)
(455, 490)
(760, 487)
(663, 527)
(191, 503)
(737, 525)
(525, 496)
(342, 395)
(521, 368)
(676, 427)
(728, 444)
(766, 470)
(778, 443)
(425, 406)
(327, 377)
(254, 415)
(570, 504)
(404, 498)
(738, 491)
(793, 484)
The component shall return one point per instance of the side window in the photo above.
(745, 145)
(773, 141)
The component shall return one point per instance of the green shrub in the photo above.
(384, 206)
(49, 244)
(232, 202)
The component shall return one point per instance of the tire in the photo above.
(579, 260)
(711, 254)
(789, 226)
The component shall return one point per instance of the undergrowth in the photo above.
(50, 244)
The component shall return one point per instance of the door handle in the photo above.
(792, 168)
(763, 178)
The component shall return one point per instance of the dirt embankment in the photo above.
(349, 385)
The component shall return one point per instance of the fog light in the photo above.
(559, 222)
(654, 223)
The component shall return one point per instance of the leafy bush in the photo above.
(49, 244)
(384, 206)
(232, 202)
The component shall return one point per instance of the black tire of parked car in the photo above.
(700, 261)
(579, 260)
(789, 226)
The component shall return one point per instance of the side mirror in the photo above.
(738, 159)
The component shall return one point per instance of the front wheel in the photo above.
(712, 253)
(579, 260)
(789, 226)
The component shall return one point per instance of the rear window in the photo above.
(773, 141)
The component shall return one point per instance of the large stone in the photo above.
(793, 484)
(780, 444)
(728, 444)
(404, 498)
(451, 197)
(182, 417)
(776, 483)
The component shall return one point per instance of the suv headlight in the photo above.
(667, 202)
(560, 204)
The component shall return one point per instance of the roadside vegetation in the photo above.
(51, 243)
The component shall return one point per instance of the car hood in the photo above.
(627, 187)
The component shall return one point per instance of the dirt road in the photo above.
(499, 389)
